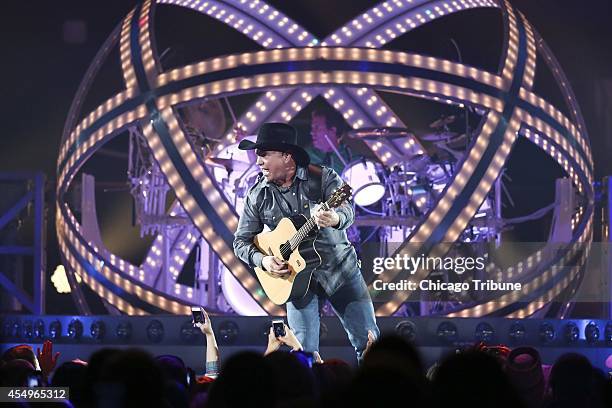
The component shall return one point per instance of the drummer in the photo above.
(327, 131)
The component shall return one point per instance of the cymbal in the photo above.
(458, 142)
(438, 136)
(417, 163)
(443, 121)
(379, 132)
(229, 164)
(206, 118)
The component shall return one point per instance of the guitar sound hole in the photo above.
(285, 250)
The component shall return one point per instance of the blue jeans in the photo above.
(351, 303)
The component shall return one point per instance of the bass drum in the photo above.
(365, 178)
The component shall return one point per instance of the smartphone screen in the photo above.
(34, 381)
(198, 315)
(279, 328)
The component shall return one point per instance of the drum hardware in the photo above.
(443, 122)
(458, 143)
(376, 133)
(438, 136)
(204, 120)
(229, 165)
(376, 221)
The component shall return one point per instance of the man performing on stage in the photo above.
(282, 190)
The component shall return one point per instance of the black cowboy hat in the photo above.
(279, 137)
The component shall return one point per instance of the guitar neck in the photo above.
(305, 229)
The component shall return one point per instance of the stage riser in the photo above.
(252, 332)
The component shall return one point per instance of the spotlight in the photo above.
(6, 329)
(228, 332)
(124, 331)
(571, 332)
(517, 332)
(188, 332)
(447, 332)
(155, 331)
(28, 331)
(406, 330)
(591, 332)
(75, 329)
(55, 329)
(484, 333)
(98, 330)
(547, 333)
(15, 330)
(608, 333)
(39, 329)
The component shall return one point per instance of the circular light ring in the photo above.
(72, 160)
(574, 275)
(77, 253)
(277, 29)
(392, 25)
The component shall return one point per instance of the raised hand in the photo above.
(206, 327)
(273, 342)
(46, 359)
(290, 340)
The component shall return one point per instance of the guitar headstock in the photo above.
(341, 194)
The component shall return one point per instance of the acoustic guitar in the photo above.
(293, 240)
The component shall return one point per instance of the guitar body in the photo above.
(302, 261)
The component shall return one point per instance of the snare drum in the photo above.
(363, 176)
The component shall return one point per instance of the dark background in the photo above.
(48, 45)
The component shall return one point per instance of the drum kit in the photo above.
(396, 198)
(408, 188)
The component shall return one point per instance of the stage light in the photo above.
(447, 332)
(75, 329)
(124, 331)
(571, 332)
(406, 330)
(6, 329)
(60, 280)
(39, 329)
(55, 329)
(591, 332)
(484, 333)
(97, 330)
(517, 332)
(155, 331)
(15, 330)
(27, 329)
(188, 332)
(547, 333)
(228, 332)
(608, 333)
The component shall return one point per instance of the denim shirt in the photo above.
(266, 204)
